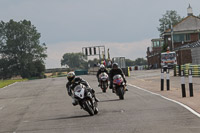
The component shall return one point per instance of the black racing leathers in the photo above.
(70, 85)
(114, 72)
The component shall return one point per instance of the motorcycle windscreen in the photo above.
(103, 75)
(117, 79)
(79, 91)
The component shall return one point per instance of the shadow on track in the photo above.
(99, 93)
(66, 118)
(112, 100)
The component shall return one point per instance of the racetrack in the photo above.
(43, 106)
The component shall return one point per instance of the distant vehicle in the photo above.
(168, 60)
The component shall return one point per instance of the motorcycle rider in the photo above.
(72, 78)
(101, 70)
(114, 71)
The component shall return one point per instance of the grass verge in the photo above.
(4, 83)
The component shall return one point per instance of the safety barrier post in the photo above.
(190, 82)
(183, 83)
(168, 80)
(162, 79)
(179, 70)
(175, 70)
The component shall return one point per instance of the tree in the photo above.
(140, 61)
(20, 49)
(167, 18)
(129, 62)
(74, 60)
(93, 62)
(164, 47)
(198, 16)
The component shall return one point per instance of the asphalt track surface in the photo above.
(43, 106)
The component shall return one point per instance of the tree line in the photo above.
(20, 50)
(79, 61)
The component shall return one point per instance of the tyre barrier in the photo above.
(195, 69)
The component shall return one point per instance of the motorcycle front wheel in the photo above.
(104, 87)
(88, 107)
(121, 92)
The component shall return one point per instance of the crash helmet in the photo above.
(102, 67)
(71, 76)
(115, 66)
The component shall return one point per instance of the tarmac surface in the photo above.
(151, 80)
(43, 106)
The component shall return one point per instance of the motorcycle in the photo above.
(103, 79)
(85, 99)
(119, 86)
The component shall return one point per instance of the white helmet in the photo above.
(102, 66)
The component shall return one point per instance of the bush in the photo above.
(59, 73)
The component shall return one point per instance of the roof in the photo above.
(190, 45)
(190, 23)
(167, 52)
(157, 39)
(189, 6)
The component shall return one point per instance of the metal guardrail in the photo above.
(56, 70)
(195, 69)
(94, 70)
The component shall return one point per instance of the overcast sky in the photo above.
(124, 26)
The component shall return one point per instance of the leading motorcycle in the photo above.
(85, 99)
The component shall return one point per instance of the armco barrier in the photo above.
(93, 70)
(195, 69)
(81, 72)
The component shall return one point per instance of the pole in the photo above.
(162, 79)
(175, 71)
(179, 70)
(104, 53)
(190, 83)
(172, 36)
(168, 80)
(99, 55)
(183, 83)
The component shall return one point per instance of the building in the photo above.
(183, 38)
(153, 52)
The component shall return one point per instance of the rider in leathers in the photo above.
(70, 86)
(101, 70)
(114, 71)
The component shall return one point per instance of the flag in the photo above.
(108, 54)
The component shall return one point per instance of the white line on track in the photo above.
(181, 104)
(8, 86)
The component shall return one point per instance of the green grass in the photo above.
(4, 83)
(56, 76)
